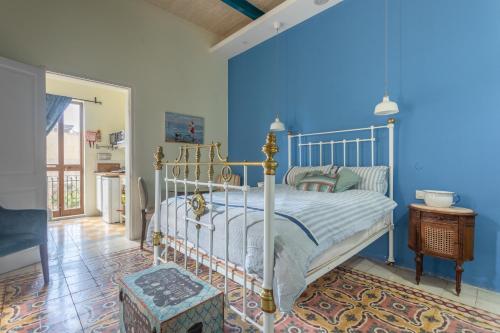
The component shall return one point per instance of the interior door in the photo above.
(22, 146)
(64, 163)
(22, 135)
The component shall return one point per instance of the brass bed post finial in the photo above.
(391, 121)
(270, 149)
(158, 155)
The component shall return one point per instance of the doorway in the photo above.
(65, 188)
(106, 108)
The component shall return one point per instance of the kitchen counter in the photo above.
(109, 174)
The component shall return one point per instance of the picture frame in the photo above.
(183, 128)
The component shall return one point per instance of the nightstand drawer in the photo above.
(438, 218)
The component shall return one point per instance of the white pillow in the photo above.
(291, 174)
(372, 178)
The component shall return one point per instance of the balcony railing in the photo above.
(71, 188)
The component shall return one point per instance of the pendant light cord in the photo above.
(386, 48)
(277, 27)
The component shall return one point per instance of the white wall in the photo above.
(164, 59)
(108, 118)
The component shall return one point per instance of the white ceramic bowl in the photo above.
(441, 199)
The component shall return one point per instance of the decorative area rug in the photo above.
(344, 300)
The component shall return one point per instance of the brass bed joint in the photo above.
(157, 235)
(267, 301)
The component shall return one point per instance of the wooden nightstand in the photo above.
(446, 233)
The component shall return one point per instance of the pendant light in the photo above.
(277, 125)
(386, 107)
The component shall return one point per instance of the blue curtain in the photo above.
(55, 106)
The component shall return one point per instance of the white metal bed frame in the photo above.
(199, 206)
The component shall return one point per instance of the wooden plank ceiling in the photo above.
(213, 15)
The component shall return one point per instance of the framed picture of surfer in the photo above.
(183, 128)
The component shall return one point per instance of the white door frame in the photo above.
(130, 230)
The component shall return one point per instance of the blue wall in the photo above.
(327, 73)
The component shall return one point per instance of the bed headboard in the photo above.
(322, 148)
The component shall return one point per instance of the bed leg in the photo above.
(268, 322)
(390, 257)
(266, 298)
(390, 126)
(157, 232)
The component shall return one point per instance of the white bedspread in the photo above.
(306, 224)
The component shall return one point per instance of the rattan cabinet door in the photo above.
(439, 239)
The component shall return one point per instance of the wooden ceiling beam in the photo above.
(245, 7)
(289, 13)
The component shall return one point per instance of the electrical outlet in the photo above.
(419, 194)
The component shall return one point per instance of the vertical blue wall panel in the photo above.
(444, 71)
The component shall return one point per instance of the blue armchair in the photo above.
(22, 229)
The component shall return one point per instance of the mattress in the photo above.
(336, 251)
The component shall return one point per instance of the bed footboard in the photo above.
(200, 204)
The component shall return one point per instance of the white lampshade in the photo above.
(277, 126)
(386, 107)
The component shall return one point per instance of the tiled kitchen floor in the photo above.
(82, 292)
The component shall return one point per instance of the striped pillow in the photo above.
(317, 183)
(372, 178)
(290, 176)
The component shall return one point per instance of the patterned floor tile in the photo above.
(82, 285)
(85, 295)
(78, 278)
(71, 325)
(79, 270)
(27, 326)
(101, 309)
(104, 326)
(30, 310)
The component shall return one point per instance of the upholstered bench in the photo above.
(167, 298)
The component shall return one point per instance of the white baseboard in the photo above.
(19, 259)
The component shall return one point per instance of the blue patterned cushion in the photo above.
(317, 183)
(296, 172)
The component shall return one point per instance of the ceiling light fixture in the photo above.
(277, 125)
(386, 107)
